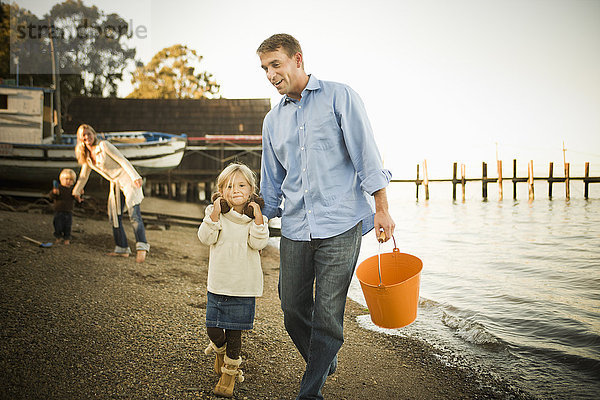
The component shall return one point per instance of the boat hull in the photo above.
(148, 152)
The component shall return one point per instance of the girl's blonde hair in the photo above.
(82, 152)
(228, 173)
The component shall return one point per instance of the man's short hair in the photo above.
(288, 44)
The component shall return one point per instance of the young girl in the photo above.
(234, 271)
(125, 188)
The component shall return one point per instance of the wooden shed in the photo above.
(25, 115)
(193, 117)
(219, 131)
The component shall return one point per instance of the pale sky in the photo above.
(442, 80)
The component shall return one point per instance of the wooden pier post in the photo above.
(500, 190)
(426, 180)
(207, 190)
(417, 182)
(586, 182)
(463, 180)
(567, 182)
(169, 188)
(484, 181)
(530, 179)
(189, 192)
(196, 192)
(550, 179)
(514, 180)
(454, 181)
(179, 191)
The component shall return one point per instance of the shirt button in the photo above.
(303, 169)
(301, 127)
(302, 148)
(299, 106)
(309, 211)
(305, 190)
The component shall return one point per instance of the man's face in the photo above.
(283, 72)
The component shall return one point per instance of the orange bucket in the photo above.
(390, 283)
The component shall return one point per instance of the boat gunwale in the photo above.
(169, 137)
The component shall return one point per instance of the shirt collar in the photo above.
(313, 84)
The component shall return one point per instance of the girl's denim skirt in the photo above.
(230, 312)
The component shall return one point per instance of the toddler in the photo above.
(63, 205)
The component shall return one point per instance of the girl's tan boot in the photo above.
(231, 372)
(219, 354)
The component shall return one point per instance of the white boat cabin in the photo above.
(26, 115)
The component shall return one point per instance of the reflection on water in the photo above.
(510, 286)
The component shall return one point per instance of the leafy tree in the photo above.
(4, 40)
(91, 47)
(171, 75)
(15, 48)
(93, 44)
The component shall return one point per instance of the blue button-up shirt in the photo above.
(320, 163)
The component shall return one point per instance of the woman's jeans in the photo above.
(135, 216)
(315, 323)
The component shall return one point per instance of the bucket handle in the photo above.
(381, 239)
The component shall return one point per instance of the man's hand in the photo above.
(383, 219)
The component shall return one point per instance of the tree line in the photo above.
(92, 53)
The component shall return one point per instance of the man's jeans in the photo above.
(135, 216)
(315, 323)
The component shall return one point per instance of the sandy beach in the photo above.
(76, 324)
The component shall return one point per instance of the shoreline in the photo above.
(79, 324)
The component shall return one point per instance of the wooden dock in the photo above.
(205, 157)
(485, 180)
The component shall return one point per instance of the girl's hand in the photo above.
(216, 210)
(55, 191)
(138, 183)
(258, 218)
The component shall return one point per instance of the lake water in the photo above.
(509, 288)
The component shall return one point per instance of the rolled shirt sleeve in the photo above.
(272, 175)
(360, 142)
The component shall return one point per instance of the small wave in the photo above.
(469, 330)
(364, 321)
(428, 303)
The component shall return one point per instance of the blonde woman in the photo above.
(236, 231)
(125, 188)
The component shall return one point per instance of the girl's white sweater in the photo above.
(234, 267)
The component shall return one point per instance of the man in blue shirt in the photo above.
(321, 173)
